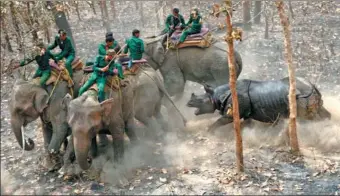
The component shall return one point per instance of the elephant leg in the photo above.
(47, 133)
(65, 144)
(103, 140)
(117, 131)
(220, 122)
(69, 155)
(94, 148)
(130, 130)
(160, 118)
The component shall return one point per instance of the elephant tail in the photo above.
(163, 90)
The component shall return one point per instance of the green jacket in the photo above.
(195, 23)
(42, 61)
(172, 20)
(65, 46)
(102, 48)
(136, 47)
(101, 63)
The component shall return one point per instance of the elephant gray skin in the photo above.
(87, 118)
(204, 66)
(149, 90)
(29, 102)
(264, 101)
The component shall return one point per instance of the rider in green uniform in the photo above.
(194, 23)
(42, 56)
(103, 66)
(135, 45)
(67, 50)
(110, 43)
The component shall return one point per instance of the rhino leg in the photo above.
(219, 123)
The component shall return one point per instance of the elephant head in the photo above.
(155, 53)
(27, 103)
(86, 117)
(203, 102)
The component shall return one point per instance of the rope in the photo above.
(55, 85)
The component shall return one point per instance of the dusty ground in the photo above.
(193, 162)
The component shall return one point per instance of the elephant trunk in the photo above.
(17, 129)
(58, 137)
(81, 147)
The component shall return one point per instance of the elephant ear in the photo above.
(41, 100)
(66, 101)
(208, 89)
(106, 107)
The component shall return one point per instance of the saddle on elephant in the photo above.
(58, 71)
(113, 82)
(201, 40)
(128, 69)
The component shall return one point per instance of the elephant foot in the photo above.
(51, 162)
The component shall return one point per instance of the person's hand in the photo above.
(16, 65)
(104, 69)
(115, 70)
(172, 27)
(124, 68)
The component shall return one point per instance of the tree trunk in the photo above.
(105, 9)
(32, 22)
(47, 34)
(4, 27)
(266, 31)
(113, 10)
(291, 8)
(76, 4)
(106, 24)
(91, 4)
(16, 25)
(291, 70)
(141, 13)
(246, 15)
(62, 23)
(257, 15)
(232, 84)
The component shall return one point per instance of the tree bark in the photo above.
(76, 4)
(91, 4)
(16, 25)
(62, 23)
(113, 10)
(291, 9)
(4, 29)
(232, 84)
(257, 15)
(32, 22)
(106, 24)
(246, 15)
(141, 13)
(105, 9)
(291, 70)
(266, 31)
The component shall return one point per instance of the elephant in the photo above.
(204, 66)
(30, 101)
(87, 118)
(264, 101)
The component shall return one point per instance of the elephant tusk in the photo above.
(23, 139)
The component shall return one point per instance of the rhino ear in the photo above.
(40, 100)
(208, 89)
(106, 106)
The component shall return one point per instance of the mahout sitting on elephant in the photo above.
(264, 101)
(30, 101)
(201, 65)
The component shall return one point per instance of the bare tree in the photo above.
(16, 25)
(291, 70)
(232, 83)
(113, 9)
(76, 5)
(4, 27)
(246, 15)
(257, 11)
